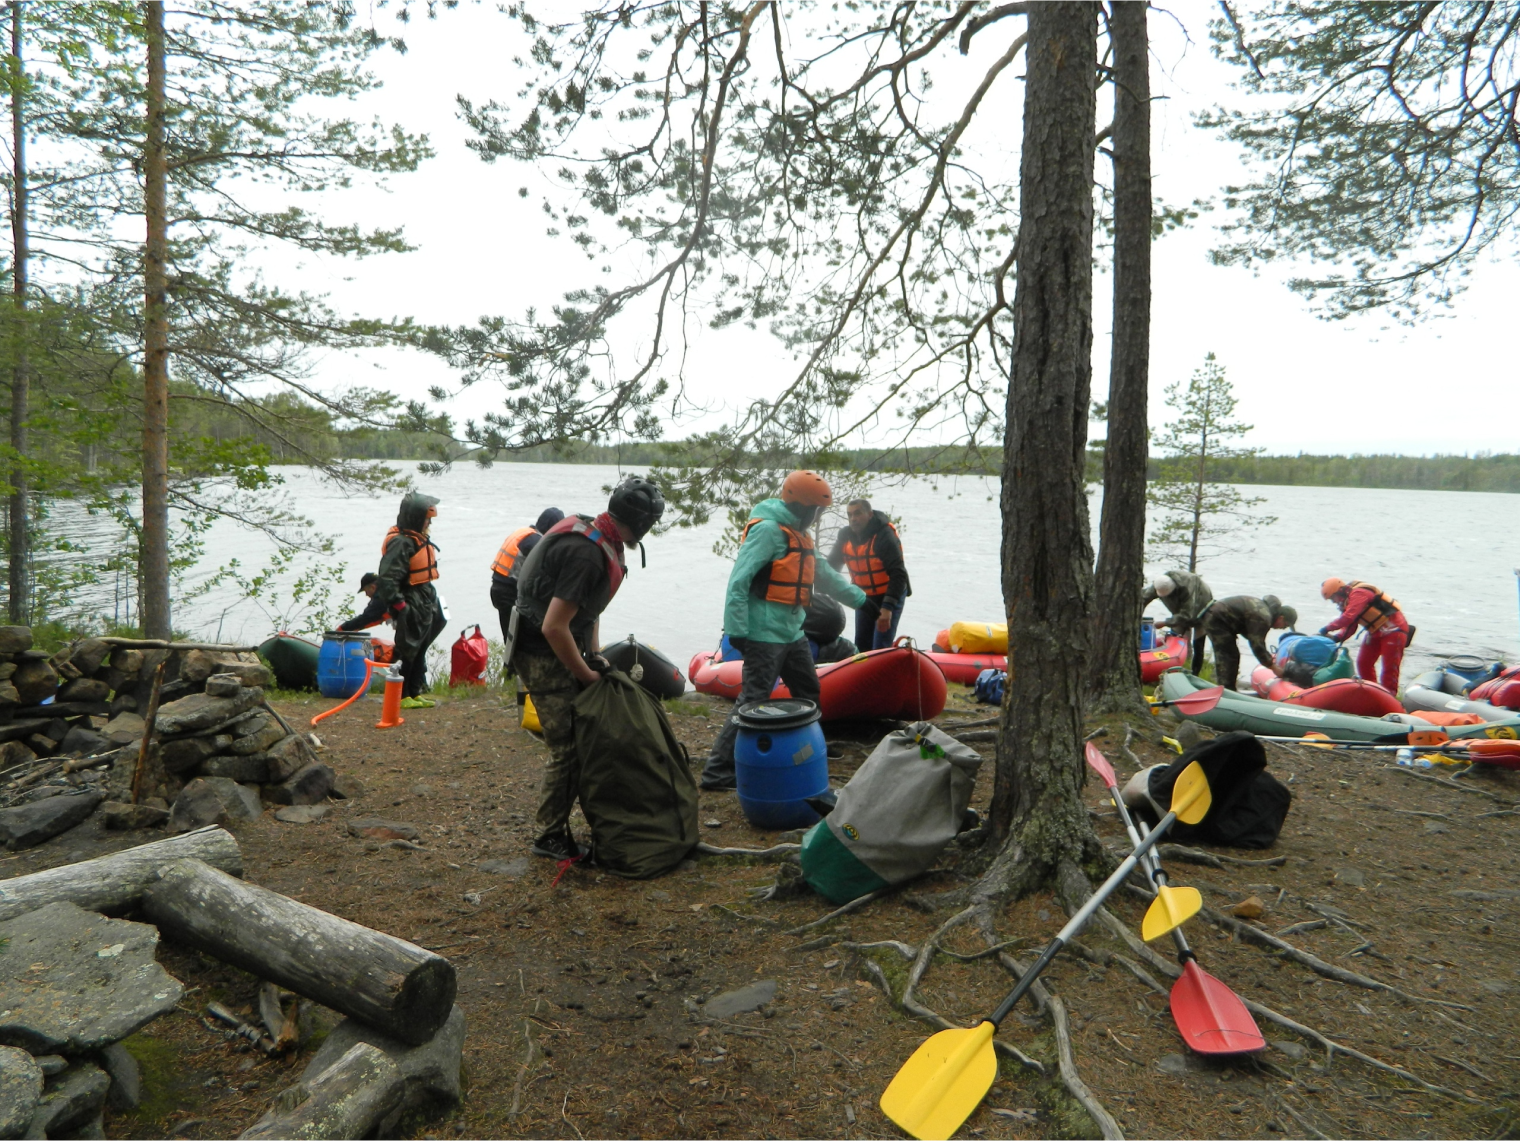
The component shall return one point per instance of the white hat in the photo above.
(1163, 586)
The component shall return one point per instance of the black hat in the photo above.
(369, 577)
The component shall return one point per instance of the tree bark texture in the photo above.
(154, 550)
(1047, 553)
(354, 1097)
(387, 982)
(114, 884)
(1115, 669)
(18, 578)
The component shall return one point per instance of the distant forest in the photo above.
(321, 436)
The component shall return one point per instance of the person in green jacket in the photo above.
(1188, 598)
(768, 594)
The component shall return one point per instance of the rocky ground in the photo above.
(584, 997)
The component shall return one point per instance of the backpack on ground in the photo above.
(894, 818)
(1299, 656)
(636, 787)
(1248, 804)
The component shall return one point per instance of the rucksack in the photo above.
(989, 686)
(894, 817)
(1248, 804)
(636, 787)
(1301, 658)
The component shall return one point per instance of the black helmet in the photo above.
(637, 504)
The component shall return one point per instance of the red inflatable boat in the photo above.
(898, 683)
(1503, 690)
(1344, 695)
(1154, 663)
(963, 668)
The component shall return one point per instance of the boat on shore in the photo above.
(1279, 719)
(1447, 692)
(961, 664)
(898, 683)
(1344, 695)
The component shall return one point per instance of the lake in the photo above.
(1448, 557)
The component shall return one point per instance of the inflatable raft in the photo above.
(1278, 719)
(660, 676)
(898, 683)
(292, 660)
(1442, 691)
(962, 664)
(1344, 695)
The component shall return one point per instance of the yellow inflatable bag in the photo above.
(530, 717)
(978, 638)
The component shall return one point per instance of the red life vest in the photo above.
(788, 580)
(424, 565)
(596, 531)
(510, 552)
(867, 571)
(1378, 612)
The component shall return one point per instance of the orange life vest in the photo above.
(507, 557)
(1378, 611)
(789, 579)
(424, 564)
(867, 571)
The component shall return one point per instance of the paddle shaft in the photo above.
(1316, 743)
(1079, 920)
(1151, 864)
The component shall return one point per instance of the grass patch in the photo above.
(686, 708)
(162, 1070)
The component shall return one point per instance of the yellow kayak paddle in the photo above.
(947, 1077)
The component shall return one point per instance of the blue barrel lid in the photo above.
(777, 713)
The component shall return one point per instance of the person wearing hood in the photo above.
(563, 585)
(1242, 616)
(769, 590)
(1188, 598)
(513, 553)
(872, 551)
(404, 588)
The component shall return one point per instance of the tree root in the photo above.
(1214, 859)
(775, 854)
(1330, 1046)
(1073, 1080)
(853, 905)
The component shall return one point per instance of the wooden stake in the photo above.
(148, 723)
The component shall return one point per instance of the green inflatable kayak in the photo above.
(1276, 719)
(293, 660)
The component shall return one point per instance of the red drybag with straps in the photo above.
(467, 661)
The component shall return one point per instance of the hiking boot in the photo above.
(559, 846)
(417, 703)
(717, 781)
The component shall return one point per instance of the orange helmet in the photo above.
(1331, 587)
(807, 488)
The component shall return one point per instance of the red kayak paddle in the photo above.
(1210, 1016)
(1194, 703)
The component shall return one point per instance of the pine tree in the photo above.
(1196, 509)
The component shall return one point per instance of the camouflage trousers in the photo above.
(553, 689)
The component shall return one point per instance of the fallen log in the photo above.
(115, 883)
(160, 644)
(387, 982)
(357, 1096)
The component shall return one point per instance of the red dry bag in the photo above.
(467, 662)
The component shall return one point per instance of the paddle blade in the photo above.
(1190, 795)
(1200, 702)
(942, 1083)
(1318, 741)
(1210, 1016)
(1099, 764)
(1172, 907)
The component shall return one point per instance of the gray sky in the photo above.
(1447, 385)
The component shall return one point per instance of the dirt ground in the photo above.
(579, 994)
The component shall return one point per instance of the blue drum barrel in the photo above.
(780, 759)
(340, 663)
(1147, 634)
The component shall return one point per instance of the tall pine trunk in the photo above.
(18, 577)
(1114, 679)
(154, 554)
(1047, 552)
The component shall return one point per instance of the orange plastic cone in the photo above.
(390, 708)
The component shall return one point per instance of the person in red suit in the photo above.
(1364, 606)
